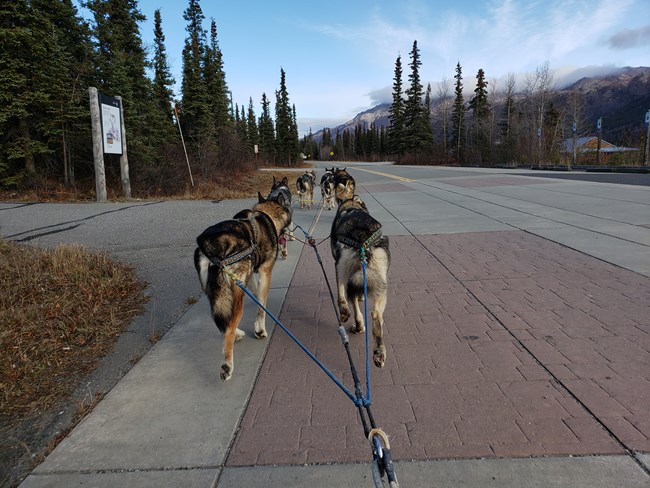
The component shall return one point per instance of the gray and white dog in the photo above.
(327, 188)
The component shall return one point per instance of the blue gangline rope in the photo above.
(357, 401)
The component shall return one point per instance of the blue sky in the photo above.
(339, 56)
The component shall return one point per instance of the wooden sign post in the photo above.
(98, 149)
(109, 137)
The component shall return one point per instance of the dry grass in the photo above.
(218, 187)
(60, 311)
(244, 186)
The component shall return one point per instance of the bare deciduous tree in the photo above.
(442, 112)
(538, 91)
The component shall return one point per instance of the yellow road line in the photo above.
(400, 178)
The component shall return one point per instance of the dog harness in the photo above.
(233, 258)
(374, 237)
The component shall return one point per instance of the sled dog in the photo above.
(305, 187)
(327, 188)
(236, 250)
(354, 228)
(344, 185)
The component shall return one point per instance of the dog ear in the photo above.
(274, 181)
(285, 181)
(260, 197)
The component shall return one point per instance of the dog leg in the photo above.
(343, 304)
(230, 335)
(283, 246)
(379, 352)
(359, 320)
(262, 296)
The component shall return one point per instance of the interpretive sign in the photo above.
(111, 124)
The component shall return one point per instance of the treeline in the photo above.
(50, 55)
(507, 125)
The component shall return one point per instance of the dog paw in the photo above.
(345, 314)
(260, 334)
(379, 357)
(358, 329)
(226, 372)
(239, 335)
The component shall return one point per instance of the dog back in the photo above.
(303, 183)
(352, 228)
(344, 185)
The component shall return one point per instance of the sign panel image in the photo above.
(111, 124)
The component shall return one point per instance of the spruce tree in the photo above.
(67, 121)
(252, 130)
(195, 108)
(427, 129)
(413, 108)
(162, 84)
(215, 81)
(396, 112)
(294, 133)
(310, 147)
(481, 115)
(240, 124)
(285, 133)
(479, 103)
(267, 133)
(162, 77)
(121, 69)
(458, 113)
(35, 79)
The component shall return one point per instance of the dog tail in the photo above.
(202, 265)
(216, 288)
(376, 272)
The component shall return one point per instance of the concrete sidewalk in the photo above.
(518, 355)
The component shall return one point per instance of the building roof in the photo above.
(589, 143)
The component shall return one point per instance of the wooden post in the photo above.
(124, 160)
(600, 124)
(575, 142)
(178, 121)
(647, 138)
(98, 147)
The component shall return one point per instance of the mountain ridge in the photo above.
(621, 98)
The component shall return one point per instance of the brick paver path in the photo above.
(499, 344)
